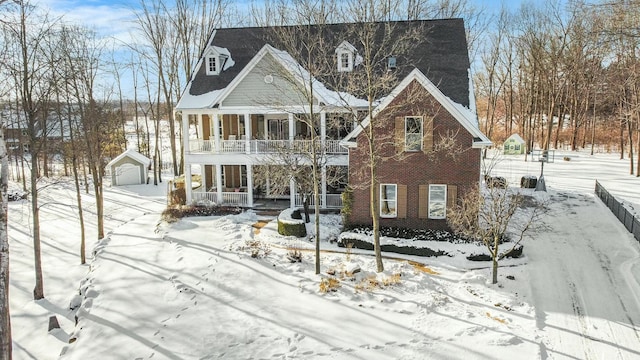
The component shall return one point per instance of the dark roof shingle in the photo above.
(440, 53)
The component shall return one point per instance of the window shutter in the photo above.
(423, 201)
(427, 140)
(402, 201)
(452, 196)
(399, 134)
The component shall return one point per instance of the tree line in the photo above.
(564, 76)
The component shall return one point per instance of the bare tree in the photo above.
(304, 61)
(70, 38)
(377, 42)
(5, 318)
(495, 217)
(28, 31)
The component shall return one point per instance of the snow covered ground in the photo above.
(193, 290)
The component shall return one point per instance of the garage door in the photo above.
(127, 174)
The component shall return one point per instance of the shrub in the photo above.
(290, 223)
(513, 253)
(406, 250)
(347, 206)
(257, 249)
(174, 213)
(329, 284)
(178, 197)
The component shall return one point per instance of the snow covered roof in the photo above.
(299, 73)
(441, 54)
(131, 154)
(461, 113)
(516, 137)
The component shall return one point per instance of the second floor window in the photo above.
(413, 133)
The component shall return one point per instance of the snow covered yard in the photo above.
(192, 290)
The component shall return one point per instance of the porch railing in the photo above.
(334, 201)
(228, 198)
(261, 146)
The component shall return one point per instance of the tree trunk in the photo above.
(38, 291)
(374, 211)
(494, 259)
(638, 154)
(97, 186)
(5, 318)
(630, 130)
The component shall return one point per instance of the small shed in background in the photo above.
(129, 168)
(514, 145)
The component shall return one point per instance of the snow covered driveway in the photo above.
(583, 272)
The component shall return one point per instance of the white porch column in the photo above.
(323, 184)
(292, 192)
(199, 125)
(292, 129)
(247, 132)
(249, 185)
(185, 132)
(219, 183)
(323, 129)
(187, 183)
(216, 130)
(203, 177)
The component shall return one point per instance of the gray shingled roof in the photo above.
(441, 54)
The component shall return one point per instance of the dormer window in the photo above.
(346, 61)
(345, 54)
(391, 63)
(217, 60)
(212, 65)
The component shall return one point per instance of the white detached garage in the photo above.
(129, 168)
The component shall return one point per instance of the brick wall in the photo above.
(412, 168)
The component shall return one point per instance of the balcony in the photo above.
(198, 146)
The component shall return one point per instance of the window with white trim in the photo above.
(388, 200)
(345, 60)
(437, 201)
(413, 133)
(212, 65)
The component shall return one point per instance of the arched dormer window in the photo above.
(346, 56)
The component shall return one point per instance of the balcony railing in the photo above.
(261, 146)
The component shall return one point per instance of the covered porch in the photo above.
(237, 185)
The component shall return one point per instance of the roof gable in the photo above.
(133, 155)
(463, 115)
(516, 138)
(281, 58)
